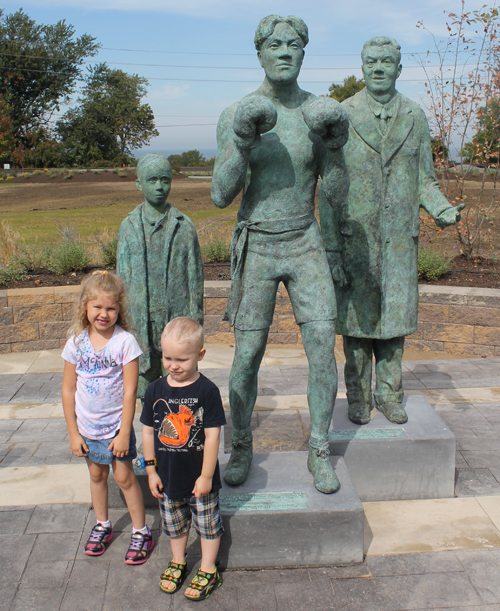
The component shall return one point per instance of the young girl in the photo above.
(99, 394)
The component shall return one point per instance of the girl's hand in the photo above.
(120, 445)
(155, 485)
(77, 445)
(202, 486)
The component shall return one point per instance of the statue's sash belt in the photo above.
(239, 241)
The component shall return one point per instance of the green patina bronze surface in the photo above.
(367, 434)
(275, 145)
(264, 501)
(159, 260)
(376, 231)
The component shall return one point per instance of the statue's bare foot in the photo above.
(239, 462)
(394, 412)
(359, 413)
(325, 479)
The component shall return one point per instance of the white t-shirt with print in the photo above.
(99, 383)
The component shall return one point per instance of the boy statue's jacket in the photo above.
(181, 259)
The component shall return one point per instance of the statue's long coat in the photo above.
(181, 260)
(391, 177)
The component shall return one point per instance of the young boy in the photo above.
(182, 416)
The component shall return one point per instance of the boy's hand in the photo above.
(202, 486)
(120, 445)
(78, 446)
(155, 485)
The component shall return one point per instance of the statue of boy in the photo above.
(275, 144)
(391, 171)
(159, 260)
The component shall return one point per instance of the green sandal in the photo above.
(204, 583)
(169, 575)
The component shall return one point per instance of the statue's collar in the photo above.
(382, 111)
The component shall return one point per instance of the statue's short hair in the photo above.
(267, 24)
(151, 158)
(382, 41)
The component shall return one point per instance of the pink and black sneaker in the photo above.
(96, 544)
(140, 548)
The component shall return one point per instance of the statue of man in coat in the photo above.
(159, 260)
(375, 235)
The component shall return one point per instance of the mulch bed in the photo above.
(481, 274)
(212, 271)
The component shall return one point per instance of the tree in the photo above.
(458, 90)
(109, 121)
(350, 86)
(7, 140)
(484, 148)
(39, 67)
(191, 159)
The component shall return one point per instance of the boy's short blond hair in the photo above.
(184, 330)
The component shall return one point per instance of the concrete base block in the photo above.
(393, 462)
(278, 519)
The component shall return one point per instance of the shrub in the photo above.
(115, 171)
(12, 271)
(38, 172)
(109, 247)
(217, 251)
(68, 176)
(26, 175)
(431, 265)
(97, 172)
(122, 174)
(68, 256)
(10, 178)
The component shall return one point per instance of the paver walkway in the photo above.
(41, 545)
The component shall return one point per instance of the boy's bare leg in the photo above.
(209, 551)
(99, 489)
(123, 472)
(178, 546)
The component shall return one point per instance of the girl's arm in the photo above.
(76, 443)
(120, 444)
(203, 484)
(148, 447)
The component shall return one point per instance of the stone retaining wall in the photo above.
(451, 319)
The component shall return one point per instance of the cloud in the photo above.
(168, 92)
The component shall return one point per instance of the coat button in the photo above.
(387, 240)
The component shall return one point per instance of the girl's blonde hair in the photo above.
(95, 284)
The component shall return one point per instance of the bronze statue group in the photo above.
(356, 275)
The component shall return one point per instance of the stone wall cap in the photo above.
(41, 290)
(217, 283)
(69, 288)
(3, 293)
(458, 290)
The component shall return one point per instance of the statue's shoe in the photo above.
(394, 412)
(359, 413)
(325, 479)
(238, 465)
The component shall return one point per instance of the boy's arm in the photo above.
(76, 443)
(148, 447)
(203, 484)
(120, 444)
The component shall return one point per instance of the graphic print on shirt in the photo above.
(176, 428)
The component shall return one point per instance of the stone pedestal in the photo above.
(393, 462)
(278, 519)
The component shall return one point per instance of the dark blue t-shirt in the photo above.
(179, 416)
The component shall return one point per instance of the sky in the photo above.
(199, 55)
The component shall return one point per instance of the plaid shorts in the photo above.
(203, 512)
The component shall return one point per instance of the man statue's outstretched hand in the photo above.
(450, 216)
(325, 117)
(254, 116)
